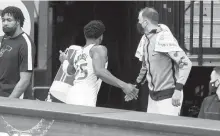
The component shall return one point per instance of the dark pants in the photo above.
(141, 103)
(142, 100)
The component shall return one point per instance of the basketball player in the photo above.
(89, 67)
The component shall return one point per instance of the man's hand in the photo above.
(63, 56)
(131, 92)
(176, 98)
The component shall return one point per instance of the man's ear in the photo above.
(18, 23)
(213, 76)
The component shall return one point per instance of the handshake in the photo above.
(131, 91)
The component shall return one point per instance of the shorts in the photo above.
(164, 107)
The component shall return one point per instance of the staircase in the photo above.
(210, 55)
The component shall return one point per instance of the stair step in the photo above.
(205, 42)
(208, 60)
(206, 28)
(205, 20)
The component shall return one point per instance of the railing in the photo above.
(201, 50)
(200, 33)
(40, 87)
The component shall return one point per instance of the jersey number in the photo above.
(82, 71)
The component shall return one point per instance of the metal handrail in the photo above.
(191, 26)
(211, 27)
(200, 57)
(40, 87)
(200, 20)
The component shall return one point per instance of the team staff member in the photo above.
(167, 65)
(17, 53)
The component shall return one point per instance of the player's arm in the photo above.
(184, 66)
(141, 79)
(99, 58)
(26, 61)
(22, 85)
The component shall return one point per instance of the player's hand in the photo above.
(131, 92)
(63, 56)
(176, 98)
(129, 97)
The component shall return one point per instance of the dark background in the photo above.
(121, 39)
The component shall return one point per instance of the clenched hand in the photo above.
(132, 93)
(176, 98)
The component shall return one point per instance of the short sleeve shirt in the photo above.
(16, 55)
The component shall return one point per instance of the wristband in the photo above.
(179, 86)
(138, 85)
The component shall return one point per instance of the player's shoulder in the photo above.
(99, 46)
(209, 99)
(100, 49)
(75, 47)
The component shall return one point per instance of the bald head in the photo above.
(150, 14)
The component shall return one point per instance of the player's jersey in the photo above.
(86, 84)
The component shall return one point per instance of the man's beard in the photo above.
(218, 93)
(140, 29)
(9, 31)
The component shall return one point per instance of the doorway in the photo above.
(120, 38)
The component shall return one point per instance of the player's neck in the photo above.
(89, 42)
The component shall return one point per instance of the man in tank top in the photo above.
(89, 66)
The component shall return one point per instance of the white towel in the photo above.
(62, 83)
(140, 49)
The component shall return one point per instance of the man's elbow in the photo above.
(98, 73)
(23, 84)
(189, 64)
(185, 64)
